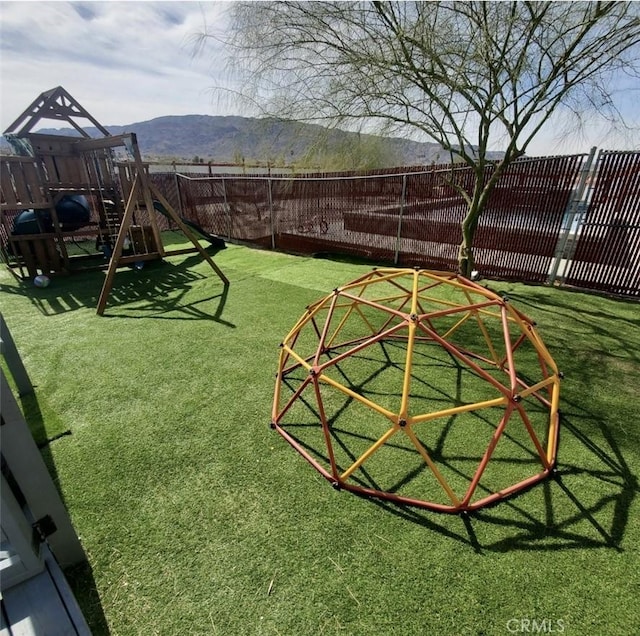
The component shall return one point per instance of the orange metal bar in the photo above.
(434, 469)
(325, 428)
(362, 345)
(276, 415)
(487, 456)
(325, 329)
(532, 434)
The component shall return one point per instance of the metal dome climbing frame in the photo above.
(419, 387)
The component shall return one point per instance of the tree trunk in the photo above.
(466, 262)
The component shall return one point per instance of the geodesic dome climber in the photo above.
(419, 387)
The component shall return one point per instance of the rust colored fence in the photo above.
(607, 245)
(409, 217)
(549, 220)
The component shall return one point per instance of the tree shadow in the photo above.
(592, 316)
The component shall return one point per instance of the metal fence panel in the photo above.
(520, 228)
(413, 217)
(607, 247)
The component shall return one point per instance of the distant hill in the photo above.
(234, 139)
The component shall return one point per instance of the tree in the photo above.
(465, 74)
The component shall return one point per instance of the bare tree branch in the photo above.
(465, 74)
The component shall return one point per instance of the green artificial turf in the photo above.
(197, 518)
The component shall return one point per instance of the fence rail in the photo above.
(571, 220)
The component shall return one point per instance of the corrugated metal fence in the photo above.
(606, 254)
(548, 220)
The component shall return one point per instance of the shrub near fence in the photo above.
(412, 216)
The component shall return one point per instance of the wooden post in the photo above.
(30, 473)
(117, 250)
(10, 352)
(188, 233)
(144, 183)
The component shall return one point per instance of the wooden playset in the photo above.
(61, 189)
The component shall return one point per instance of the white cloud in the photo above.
(131, 61)
(123, 61)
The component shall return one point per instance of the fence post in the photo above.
(571, 216)
(226, 207)
(402, 204)
(271, 219)
(9, 352)
(177, 182)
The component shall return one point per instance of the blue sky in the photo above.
(129, 61)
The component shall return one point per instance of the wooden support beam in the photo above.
(117, 250)
(187, 231)
(146, 193)
(84, 145)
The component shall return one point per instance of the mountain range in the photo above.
(234, 139)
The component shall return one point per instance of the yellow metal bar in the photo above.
(553, 424)
(483, 329)
(337, 330)
(374, 279)
(454, 410)
(458, 324)
(276, 395)
(375, 305)
(440, 301)
(487, 339)
(434, 469)
(454, 283)
(370, 451)
(539, 385)
(406, 383)
(296, 357)
(532, 335)
(360, 398)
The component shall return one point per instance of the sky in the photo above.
(124, 61)
(131, 61)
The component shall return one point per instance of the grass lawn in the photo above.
(197, 518)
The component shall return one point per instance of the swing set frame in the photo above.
(120, 195)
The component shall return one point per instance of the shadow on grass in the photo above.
(80, 577)
(586, 505)
(617, 325)
(159, 290)
(577, 513)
